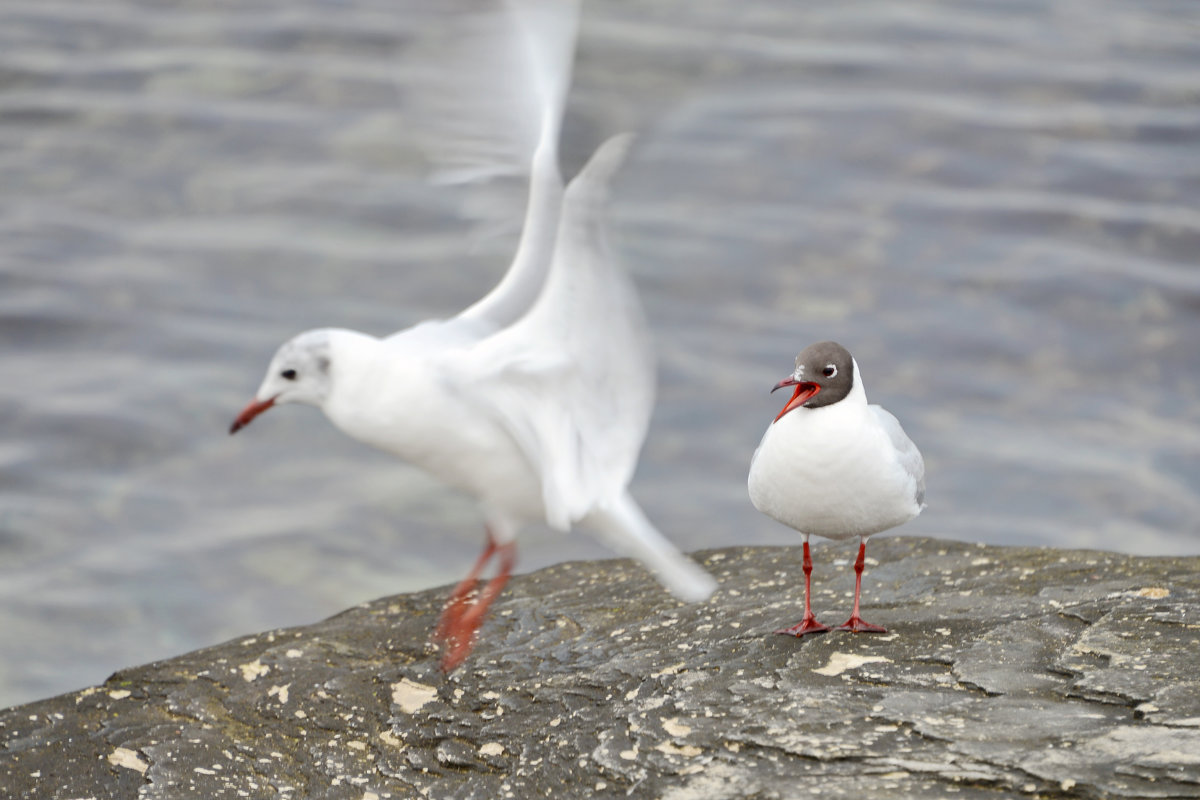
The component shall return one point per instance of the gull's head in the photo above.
(824, 375)
(299, 373)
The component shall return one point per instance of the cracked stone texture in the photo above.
(1007, 671)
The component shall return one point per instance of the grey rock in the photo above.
(1007, 671)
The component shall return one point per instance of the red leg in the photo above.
(456, 603)
(809, 624)
(857, 624)
(460, 635)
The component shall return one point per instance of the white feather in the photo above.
(487, 99)
(573, 381)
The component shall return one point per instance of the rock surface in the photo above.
(1007, 671)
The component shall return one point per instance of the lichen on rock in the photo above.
(1006, 670)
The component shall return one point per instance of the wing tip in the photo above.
(608, 158)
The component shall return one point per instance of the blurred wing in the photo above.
(484, 88)
(573, 380)
(487, 99)
(906, 452)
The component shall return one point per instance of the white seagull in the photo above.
(536, 399)
(833, 466)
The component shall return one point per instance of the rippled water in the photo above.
(994, 205)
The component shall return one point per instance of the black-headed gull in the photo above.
(833, 466)
(536, 399)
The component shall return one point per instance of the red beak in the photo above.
(805, 391)
(251, 411)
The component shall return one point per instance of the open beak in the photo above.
(805, 391)
(251, 411)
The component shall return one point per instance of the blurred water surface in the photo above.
(992, 204)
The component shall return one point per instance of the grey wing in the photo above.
(573, 380)
(906, 452)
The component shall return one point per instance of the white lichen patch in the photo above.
(674, 669)
(294, 653)
(410, 696)
(129, 759)
(254, 669)
(840, 662)
(658, 701)
(911, 765)
(687, 750)
(88, 692)
(1154, 592)
(674, 727)
(119, 694)
(491, 749)
(1174, 748)
(279, 691)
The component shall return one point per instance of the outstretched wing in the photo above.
(482, 88)
(573, 380)
(906, 452)
(486, 98)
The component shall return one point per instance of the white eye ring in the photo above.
(830, 371)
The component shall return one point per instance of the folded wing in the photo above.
(906, 452)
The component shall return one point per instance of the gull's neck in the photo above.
(351, 356)
(390, 397)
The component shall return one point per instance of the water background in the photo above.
(992, 204)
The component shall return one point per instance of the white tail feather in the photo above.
(624, 527)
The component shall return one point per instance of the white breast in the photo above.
(835, 471)
(401, 405)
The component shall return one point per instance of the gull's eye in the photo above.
(829, 371)
(289, 374)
